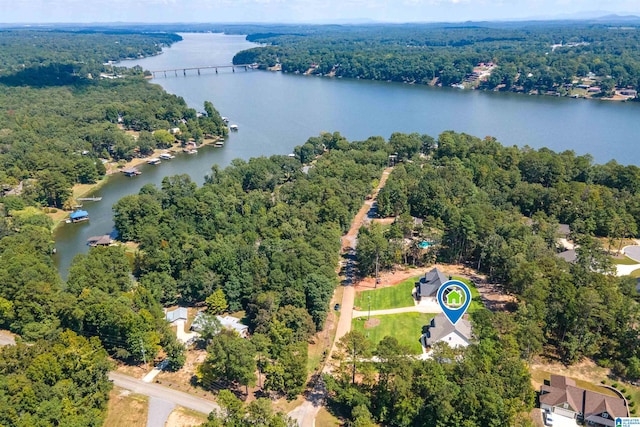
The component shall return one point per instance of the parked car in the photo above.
(336, 307)
(548, 418)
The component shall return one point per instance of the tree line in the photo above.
(422, 53)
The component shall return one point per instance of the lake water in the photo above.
(277, 111)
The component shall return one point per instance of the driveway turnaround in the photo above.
(176, 397)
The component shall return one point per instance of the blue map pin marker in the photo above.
(454, 297)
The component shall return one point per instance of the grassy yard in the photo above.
(623, 261)
(399, 296)
(476, 303)
(390, 297)
(126, 409)
(405, 327)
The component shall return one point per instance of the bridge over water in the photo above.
(184, 70)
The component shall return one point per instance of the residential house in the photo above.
(428, 285)
(179, 313)
(442, 330)
(561, 396)
(227, 322)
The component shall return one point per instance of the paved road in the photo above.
(632, 252)
(165, 393)
(159, 411)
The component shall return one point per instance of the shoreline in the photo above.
(83, 190)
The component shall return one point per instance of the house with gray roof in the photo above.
(179, 313)
(428, 285)
(561, 396)
(442, 330)
(227, 322)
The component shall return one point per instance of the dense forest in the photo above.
(61, 119)
(524, 54)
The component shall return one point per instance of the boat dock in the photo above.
(89, 199)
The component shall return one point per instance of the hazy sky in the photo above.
(31, 11)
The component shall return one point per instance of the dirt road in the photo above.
(306, 413)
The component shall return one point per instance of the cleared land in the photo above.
(397, 296)
(405, 327)
(126, 409)
(182, 417)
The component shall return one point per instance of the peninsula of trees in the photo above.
(64, 111)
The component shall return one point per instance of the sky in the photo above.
(308, 11)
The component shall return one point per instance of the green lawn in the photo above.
(623, 261)
(391, 297)
(400, 296)
(405, 327)
(635, 273)
(476, 303)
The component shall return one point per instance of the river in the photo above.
(277, 111)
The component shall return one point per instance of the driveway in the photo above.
(175, 397)
(306, 413)
(632, 252)
(159, 411)
(560, 421)
(427, 308)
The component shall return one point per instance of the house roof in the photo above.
(430, 283)
(564, 229)
(179, 313)
(226, 322)
(592, 404)
(99, 240)
(441, 327)
(569, 256)
(78, 214)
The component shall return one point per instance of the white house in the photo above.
(442, 330)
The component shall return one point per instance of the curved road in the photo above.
(164, 393)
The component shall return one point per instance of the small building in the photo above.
(428, 285)
(104, 240)
(442, 330)
(174, 131)
(79, 215)
(629, 92)
(179, 313)
(562, 397)
(131, 172)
